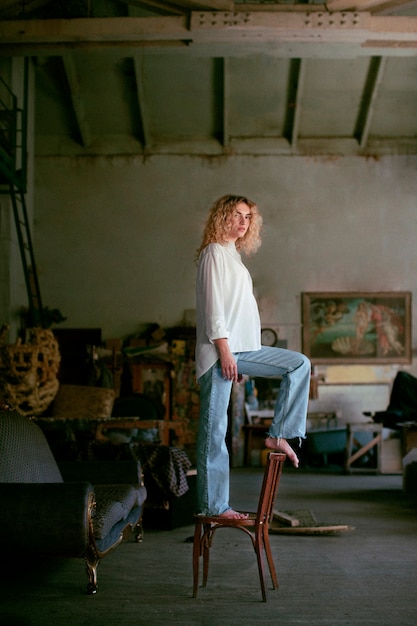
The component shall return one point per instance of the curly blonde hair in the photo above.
(219, 221)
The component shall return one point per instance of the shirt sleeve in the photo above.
(210, 289)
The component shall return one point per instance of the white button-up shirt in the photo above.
(226, 306)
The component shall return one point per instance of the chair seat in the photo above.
(219, 520)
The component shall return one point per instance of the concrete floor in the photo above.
(365, 576)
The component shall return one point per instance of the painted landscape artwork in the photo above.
(357, 327)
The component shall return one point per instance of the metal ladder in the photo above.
(36, 314)
(13, 146)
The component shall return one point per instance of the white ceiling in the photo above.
(214, 77)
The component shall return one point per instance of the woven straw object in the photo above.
(28, 371)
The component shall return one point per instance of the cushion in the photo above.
(83, 401)
(114, 503)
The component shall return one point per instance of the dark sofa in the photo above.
(44, 515)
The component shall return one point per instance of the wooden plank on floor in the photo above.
(285, 518)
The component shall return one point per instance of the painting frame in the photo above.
(360, 327)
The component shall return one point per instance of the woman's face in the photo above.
(239, 222)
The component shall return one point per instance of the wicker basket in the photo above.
(28, 371)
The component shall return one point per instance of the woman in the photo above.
(228, 346)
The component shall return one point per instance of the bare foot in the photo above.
(282, 445)
(231, 514)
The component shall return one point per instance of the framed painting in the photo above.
(357, 327)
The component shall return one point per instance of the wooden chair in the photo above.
(256, 525)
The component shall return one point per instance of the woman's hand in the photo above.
(227, 361)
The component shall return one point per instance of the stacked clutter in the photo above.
(28, 371)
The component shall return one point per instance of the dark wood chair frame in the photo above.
(256, 525)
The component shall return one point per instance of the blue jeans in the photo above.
(289, 416)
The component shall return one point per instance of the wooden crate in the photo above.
(391, 458)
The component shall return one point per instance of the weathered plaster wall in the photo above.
(115, 237)
(115, 241)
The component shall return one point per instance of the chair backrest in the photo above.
(272, 475)
(25, 456)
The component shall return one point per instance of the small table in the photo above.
(259, 420)
(96, 427)
(375, 443)
(254, 416)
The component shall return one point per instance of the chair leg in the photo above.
(196, 556)
(270, 560)
(206, 543)
(258, 545)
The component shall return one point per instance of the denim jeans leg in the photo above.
(212, 453)
(290, 410)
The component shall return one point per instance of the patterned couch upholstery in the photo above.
(44, 515)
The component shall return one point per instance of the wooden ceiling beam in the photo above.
(226, 102)
(294, 100)
(367, 108)
(236, 28)
(89, 30)
(12, 8)
(154, 4)
(373, 6)
(16, 7)
(76, 99)
(184, 6)
(142, 102)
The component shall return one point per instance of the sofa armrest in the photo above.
(47, 518)
(103, 472)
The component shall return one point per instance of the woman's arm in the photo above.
(227, 360)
